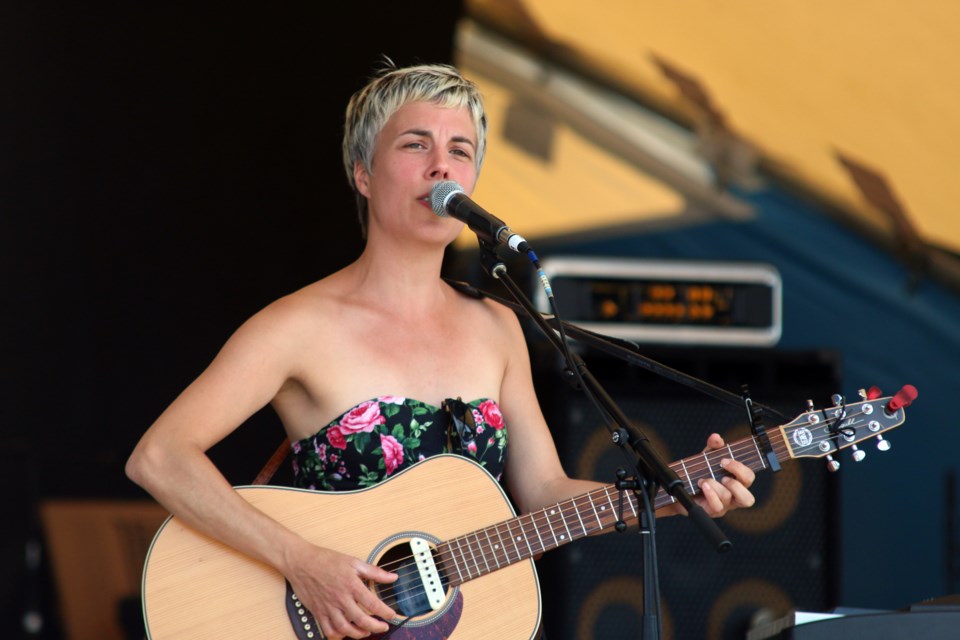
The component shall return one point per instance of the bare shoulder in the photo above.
(491, 319)
(287, 323)
(506, 318)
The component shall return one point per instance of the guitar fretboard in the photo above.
(480, 552)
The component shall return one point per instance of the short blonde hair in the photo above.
(372, 106)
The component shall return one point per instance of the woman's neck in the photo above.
(400, 275)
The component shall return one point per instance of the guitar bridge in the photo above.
(304, 624)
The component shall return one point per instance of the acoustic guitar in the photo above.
(447, 528)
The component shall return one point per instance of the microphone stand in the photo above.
(652, 471)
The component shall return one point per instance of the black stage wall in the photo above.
(166, 169)
(782, 549)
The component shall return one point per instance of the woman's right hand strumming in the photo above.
(333, 586)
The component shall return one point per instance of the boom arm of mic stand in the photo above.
(658, 471)
(623, 349)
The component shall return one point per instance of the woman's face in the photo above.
(421, 144)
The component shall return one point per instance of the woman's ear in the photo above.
(361, 177)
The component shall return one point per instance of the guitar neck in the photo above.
(480, 552)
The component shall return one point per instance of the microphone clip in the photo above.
(490, 260)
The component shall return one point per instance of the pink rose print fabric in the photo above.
(380, 437)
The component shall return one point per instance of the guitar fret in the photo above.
(472, 556)
(563, 521)
(468, 559)
(596, 515)
(513, 539)
(686, 472)
(553, 534)
(522, 522)
(488, 550)
(448, 559)
(630, 496)
(507, 540)
(454, 558)
(709, 466)
(536, 530)
(732, 456)
(506, 553)
(456, 565)
(483, 556)
(759, 453)
(462, 556)
(568, 521)
(526, 538)
(613, 510)
(492, 547)
(576, 511)
(474, 543)
(560, 517)
(485, 550)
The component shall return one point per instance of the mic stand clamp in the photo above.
(623, 484)
(490, 261)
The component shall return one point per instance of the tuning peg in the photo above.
(809, 405)
(883, 445)
(874, 393)
(837, 399)
(902, 398)
(832, 465)
(858, 454)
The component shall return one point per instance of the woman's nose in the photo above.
(439, 168)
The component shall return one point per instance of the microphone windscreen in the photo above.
(441, 193)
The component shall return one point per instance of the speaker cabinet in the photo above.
(783, 547)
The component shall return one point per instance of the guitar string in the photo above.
(568, 506)
(695, 467)
(561, 511)
(564, 507)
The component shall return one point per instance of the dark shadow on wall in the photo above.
(167, 170)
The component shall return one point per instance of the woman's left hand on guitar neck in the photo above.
(718, 497)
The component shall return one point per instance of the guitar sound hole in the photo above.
(407, 596)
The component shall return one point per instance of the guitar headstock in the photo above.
(819, 433)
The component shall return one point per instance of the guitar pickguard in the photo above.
(435, 627)
(438, 627)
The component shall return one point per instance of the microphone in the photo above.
(449, 199)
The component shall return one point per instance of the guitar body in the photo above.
(196, 587)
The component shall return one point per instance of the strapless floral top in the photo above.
(382, 436)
